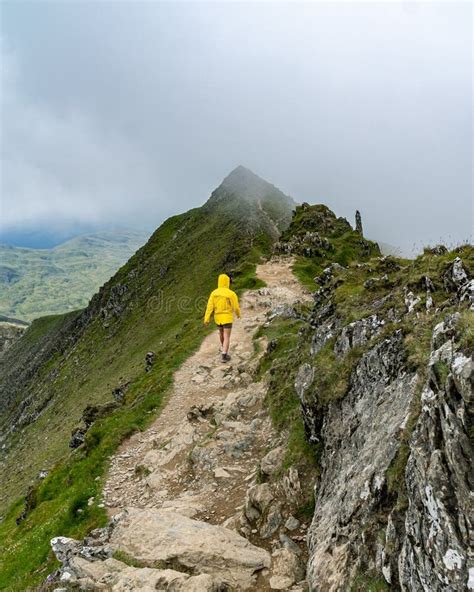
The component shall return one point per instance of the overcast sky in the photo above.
(126, 112)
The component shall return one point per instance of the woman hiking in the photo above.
(223, 302)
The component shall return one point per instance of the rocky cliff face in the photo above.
(360, 436)
(435, 545)
(358, 526)
(392, 503)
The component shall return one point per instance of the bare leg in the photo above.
(226, 343)
(221, 335)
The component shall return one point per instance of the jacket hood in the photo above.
(223, 281)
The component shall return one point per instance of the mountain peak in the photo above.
(244, 194)
(246, 183)
(242, 173)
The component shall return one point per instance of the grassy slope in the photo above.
(52, 281)
(181, 260)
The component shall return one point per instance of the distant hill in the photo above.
(38, 282)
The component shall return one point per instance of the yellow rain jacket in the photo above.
(222, 302)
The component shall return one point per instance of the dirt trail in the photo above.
(203, 451)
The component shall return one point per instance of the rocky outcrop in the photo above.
(149, 361)
(287, 569)
(120, 577)
(456, 279)
(414, 532)
(357, 334)
(90, 414)
(352, 486)
(310, 244)
(165, 546)
(435, 553)
(358, 223)
(313, 229)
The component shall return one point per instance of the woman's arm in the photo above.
(209, 309)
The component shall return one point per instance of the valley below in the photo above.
(39, 282)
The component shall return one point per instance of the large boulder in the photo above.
(152, 536)
(272, 461)
(455, 276)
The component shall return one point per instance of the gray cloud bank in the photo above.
(127, 112)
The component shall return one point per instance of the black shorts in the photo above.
(225, 325)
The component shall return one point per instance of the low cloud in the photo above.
(125, 113)
(59, 168)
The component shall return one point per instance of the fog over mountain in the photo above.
(125, 113)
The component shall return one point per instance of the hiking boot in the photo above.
(225, 357)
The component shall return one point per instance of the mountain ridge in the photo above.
(233, 236)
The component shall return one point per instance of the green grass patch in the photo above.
(332, 375)
(367, 583)
(280, 364)
(417, 339)
(465, 332)
(306, 270)
(124, 557)
(282, 337)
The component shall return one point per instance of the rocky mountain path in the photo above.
(203, 457)
(153, 468)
